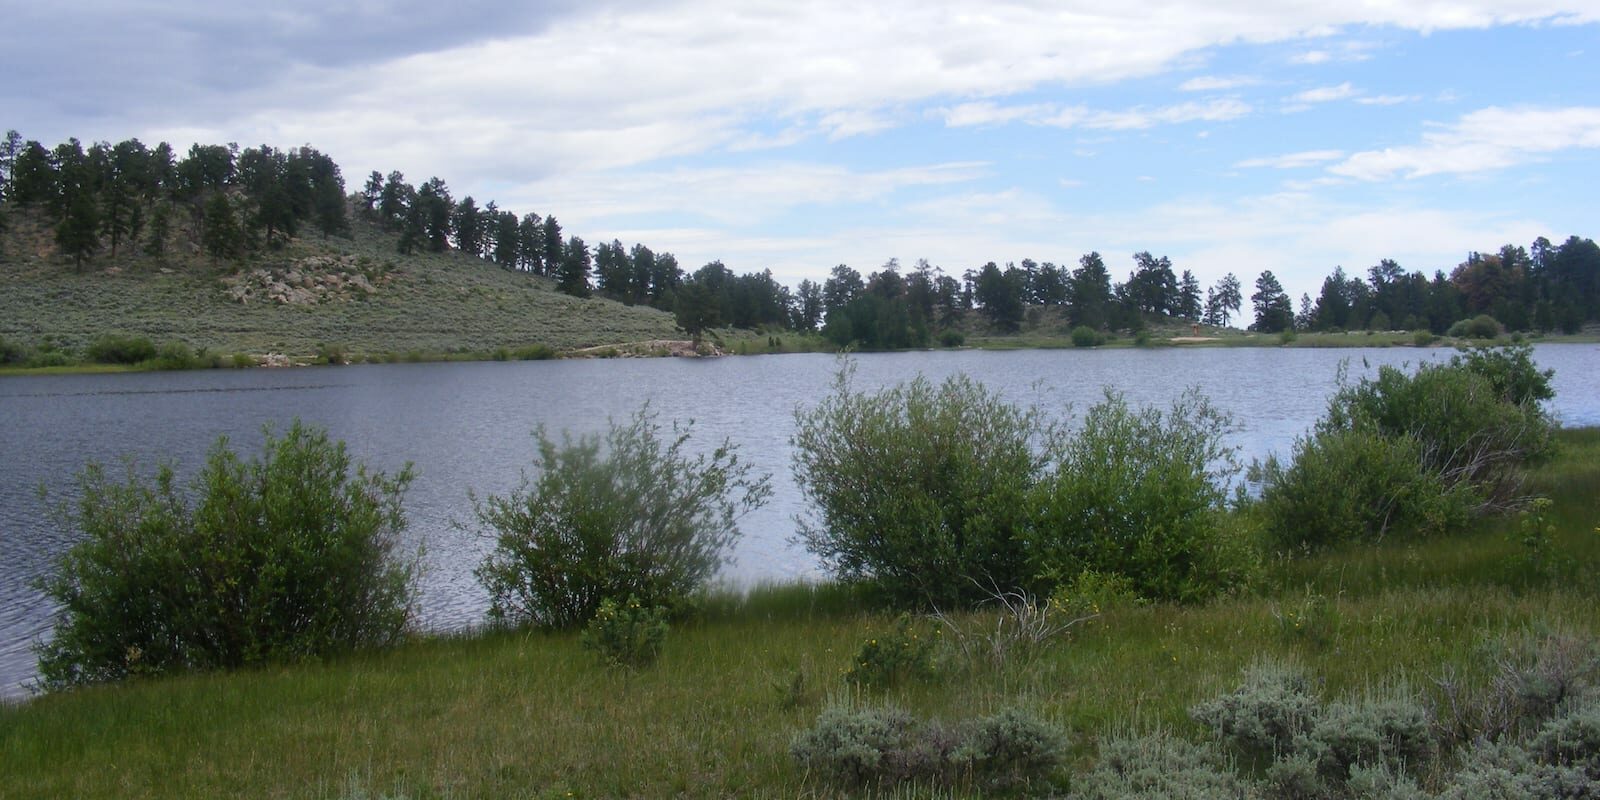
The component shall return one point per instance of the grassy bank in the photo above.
(518, 714)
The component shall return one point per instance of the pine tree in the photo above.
(78, 235)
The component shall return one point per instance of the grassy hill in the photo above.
(357, 295)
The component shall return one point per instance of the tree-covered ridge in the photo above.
(229, 202)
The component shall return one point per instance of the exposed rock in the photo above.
(307, 281)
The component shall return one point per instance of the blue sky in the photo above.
(1236, 135)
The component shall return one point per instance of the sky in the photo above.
(1231, 135)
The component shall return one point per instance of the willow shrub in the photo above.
(1413, 454)
(1143, 493)
(627, 515)
(288, 556)
(921, 489)
(947, 495)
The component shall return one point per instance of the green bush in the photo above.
(1413, 454)
(629, 514)
(1463, 415)
(1085, 336)
(1356, 485)
(533, 352)
(626, 634)
(177, 355)
(921, 488)
(952, 338)
(1141, 493)
(111, 349)
(287, 556)
(11, 353)
(906, 653)
(1482, 326)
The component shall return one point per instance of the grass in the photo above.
(435, 305)
(501, 714)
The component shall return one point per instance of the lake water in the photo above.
(468, 427)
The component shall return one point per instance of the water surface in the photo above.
(467, 426)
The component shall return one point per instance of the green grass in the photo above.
(436, 305)
(516, 714)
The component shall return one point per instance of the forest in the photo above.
(230, 203)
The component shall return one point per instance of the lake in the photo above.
(467, 426)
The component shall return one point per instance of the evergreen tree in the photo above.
(372, 192)
(160, 228)
(221, 237)
(1224, 300)
(551, 239)
(843, 285)
(530, 244)
(573, 275)
(696, 308)
(999, 295)
(395, 198)
(78, 235)
(1189, 301)
(1274, 310)
(507, 240)
(469, 236)
(34, 178)
(1091, 292)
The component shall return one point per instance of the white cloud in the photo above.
(1488, 139)
(1311, 57)
(1326, 94)
(608, 85)
(988, 113)
(1308, 158)
(734, 196)
(1216, 83)
(1138, 118)
(1387, 99)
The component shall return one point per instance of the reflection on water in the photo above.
(467, 427)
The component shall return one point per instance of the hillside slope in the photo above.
(357, 294)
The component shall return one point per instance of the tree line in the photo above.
(237, 201)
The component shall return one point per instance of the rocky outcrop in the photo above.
(306, 281)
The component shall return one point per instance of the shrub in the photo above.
(1160, 765)
(283, 557)
(626, 634)
(1423, 338)
(1391, 730)
(1085, 336)
(952, 338)
(884, 747)
(11, 353)
(1482, 326)
(1141, 494)
(628, 515)
(1010, 749)
(112, 349)
(1272, 708)
(855, 748)
(1382, 488)
(177, 355)
(1416, 454)
(920, 488)
(906, 653)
